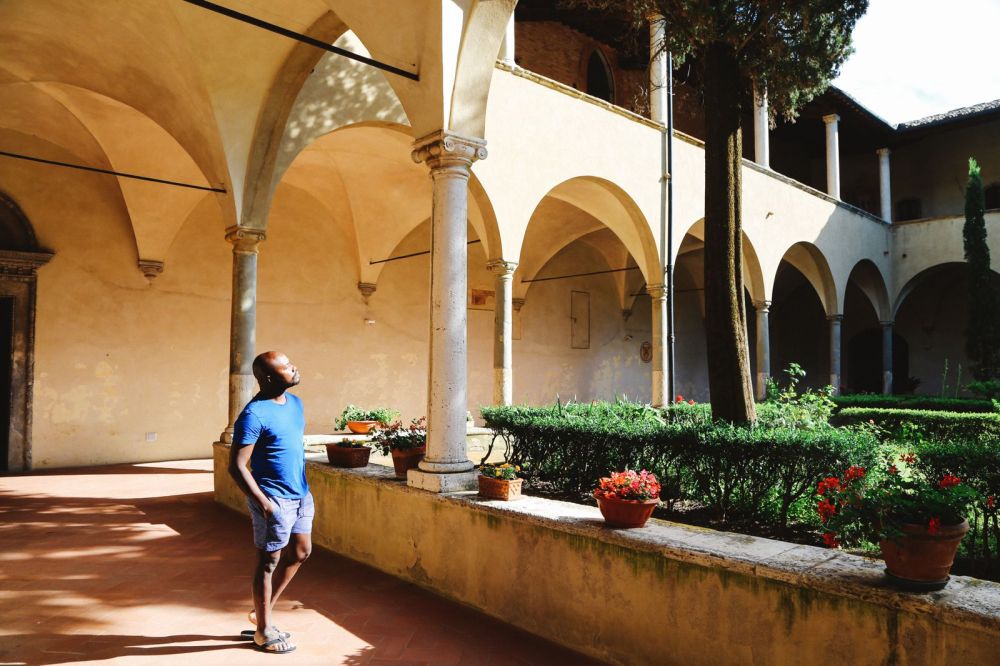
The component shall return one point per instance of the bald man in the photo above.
(269, 436)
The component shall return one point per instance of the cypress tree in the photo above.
(794, 49)
(982, 337)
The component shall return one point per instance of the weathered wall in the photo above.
(665, 594)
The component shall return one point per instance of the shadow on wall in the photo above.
(339, 92)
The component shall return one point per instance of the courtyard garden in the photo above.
(798, 474)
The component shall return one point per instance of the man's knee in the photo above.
(268, 561)
(299, 553)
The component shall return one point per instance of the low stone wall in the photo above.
(666, 593)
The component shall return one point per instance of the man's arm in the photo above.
(239, 456)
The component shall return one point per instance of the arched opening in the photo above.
(586, 316)
(932, 316)
(865, 306)
(600, 79)
(689, 312)
(802, 298)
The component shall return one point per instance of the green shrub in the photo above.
(931, 403)
(383, 415)
(976, 463)
(742, 473)
(934, 425)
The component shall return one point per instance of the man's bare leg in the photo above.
(262, 586)
(297, 551)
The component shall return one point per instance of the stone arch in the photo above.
(16, 232)
(592, 203)
(812, 264)
(869, 279)
(753, 277)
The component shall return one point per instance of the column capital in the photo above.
(654, 16)
(762, 305)
(366, 289)
(446, 149)
(835, 317)
(151, 268)
(886, 324)
(502, 266)
(656, 290)
(244, 239)
(518, 303)
(883, 152)
(831, 118)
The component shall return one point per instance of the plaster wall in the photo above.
(639, 596)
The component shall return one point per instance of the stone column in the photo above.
(884, 189)
(835, 325)
(832, 155)
(507, 48)
(243, 321)
(761, 128)
(657, 69)
(446, 467)
(886, 357)
(503, 336)
(658, 295)
(763, 347)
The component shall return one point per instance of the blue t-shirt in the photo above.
(278, 461)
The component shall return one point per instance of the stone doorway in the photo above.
(20, 259)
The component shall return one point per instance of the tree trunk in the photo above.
(725, 315)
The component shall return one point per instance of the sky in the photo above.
(916, 58)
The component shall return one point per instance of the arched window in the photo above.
(600, 80)
(992, 195)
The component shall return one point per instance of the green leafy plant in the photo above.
(936, 425)
(988, 389)
(382, 415)
(786, 407)
(875, 505)
(504, 471)
(347, 443)
(396, 436)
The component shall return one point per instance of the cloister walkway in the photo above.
(136, 564)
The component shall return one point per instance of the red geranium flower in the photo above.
(991, 501)
(690, 402)
(830, 540)
(830, 483)
(854, 472)
(908, 458)
(949, 481)
(934, 526)
(826, 508)
(892, 470)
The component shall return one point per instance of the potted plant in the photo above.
(627, 499)
(917, 521)
(499, 482)
(348, 453)
(361, 421)
(407, 445)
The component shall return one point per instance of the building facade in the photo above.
(480, 224)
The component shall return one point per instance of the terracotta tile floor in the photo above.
(136, 564)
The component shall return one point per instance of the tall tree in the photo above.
(793, 48)
(982, 338)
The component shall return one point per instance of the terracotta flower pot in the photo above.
(922, 560)
(625, 513)
(499, 489)
(347, 456)
(408, 459)
(361, 427)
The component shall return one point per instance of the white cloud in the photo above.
(915, 58)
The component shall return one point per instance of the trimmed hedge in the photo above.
(874, 401)
(742, 473)
(977, 463)
(934, 425)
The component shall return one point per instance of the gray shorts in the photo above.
(293, 516)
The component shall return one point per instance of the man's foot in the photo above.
(270, 641)
(247, 634)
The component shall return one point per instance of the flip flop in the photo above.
(269, 646)
(247, 634)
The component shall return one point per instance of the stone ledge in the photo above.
(966, 602)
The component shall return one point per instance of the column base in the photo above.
(442, 483)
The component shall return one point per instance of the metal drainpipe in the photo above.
(671, 375)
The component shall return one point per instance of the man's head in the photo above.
(274, 372)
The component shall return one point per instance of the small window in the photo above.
(909, 209)
(992, 193)
(600, 81)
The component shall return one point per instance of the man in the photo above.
(269, 435)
